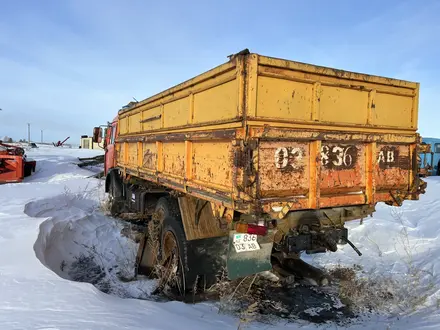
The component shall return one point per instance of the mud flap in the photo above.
(241, 264)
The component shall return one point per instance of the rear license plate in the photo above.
(245, 242)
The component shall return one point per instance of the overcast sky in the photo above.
(66, 66)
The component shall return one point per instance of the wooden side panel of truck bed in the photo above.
(259, 132)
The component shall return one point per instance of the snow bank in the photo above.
(402, 243)
(33, 296)
(79, 243)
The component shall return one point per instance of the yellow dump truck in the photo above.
(246, 166)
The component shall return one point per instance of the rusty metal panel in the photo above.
(120, 151)
(315, 174)
(330, 133)
(132, 155)
(370, 184)
(287, 168)
(283, 168)
(342, 200)
(342, 168)
(174, 159)
(212, 163)
(273, 204)
(150, 156)
(140, 154)
(393, 165)
(198, 219)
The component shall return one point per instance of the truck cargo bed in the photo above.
(259, 134)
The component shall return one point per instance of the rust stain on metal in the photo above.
(283, 168)
(393, 167)
(332, 201)
(289, 159)
(149, 159)
(210, 135)
(342, 168)
(244, 159)
(389, 157)
(271, 133)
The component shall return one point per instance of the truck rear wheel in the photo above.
(173, 262)
(166, 254)
(181, 266)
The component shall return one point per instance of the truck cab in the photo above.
(109, 135)
(109, 145)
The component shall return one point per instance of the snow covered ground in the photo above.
(50, 223)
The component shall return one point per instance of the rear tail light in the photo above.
(251, 229)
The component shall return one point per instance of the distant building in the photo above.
(87, 143)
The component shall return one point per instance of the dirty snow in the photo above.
(49, 223)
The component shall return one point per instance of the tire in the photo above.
(198, 262)
(180, 259)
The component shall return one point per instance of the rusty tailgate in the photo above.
(319, 174)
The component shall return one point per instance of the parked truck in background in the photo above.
(430, 157)
(245, 167)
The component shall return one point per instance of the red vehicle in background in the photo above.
(14, 166)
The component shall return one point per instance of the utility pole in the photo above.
(29, 133)
(42, 135)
